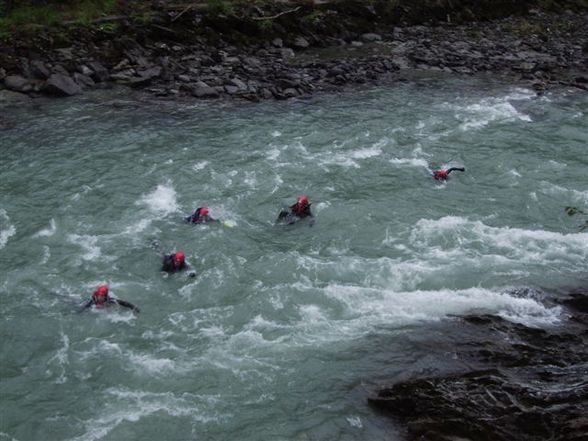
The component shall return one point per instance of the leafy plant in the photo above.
(225, 7)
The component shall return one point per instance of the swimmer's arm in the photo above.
(127, 305)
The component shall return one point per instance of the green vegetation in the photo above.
(226, 7)
(31, 14)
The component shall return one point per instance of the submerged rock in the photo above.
(524, 383)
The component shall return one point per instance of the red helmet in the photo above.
(101, 294)
(204, 211)
(303, 200)
(179, 257)
(441, 175)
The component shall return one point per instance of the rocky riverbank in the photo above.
(514, 382)
(165, 60)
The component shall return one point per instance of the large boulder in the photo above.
(39, 70)
(61, 85)
(203, 90)
(84, 81)
(237, 83)
(17, 83)
(100, 72)
(151, 72)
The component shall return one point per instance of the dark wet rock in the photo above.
(150, 72)
(61, 85)
(123, 64)
(17, 83)
(60, 70)
(84, 81)
(202, 90)
(123, 76)
(240, 85)
(290, 92)
(521, 383)
(2, 74)
(301, 43)
(65, 53)
(252, 62)
(85, 70)
(139, 82)
(100, 73)
(286, 52)
(371, 37)
(345, 46)
(231, 90)
(39, 70)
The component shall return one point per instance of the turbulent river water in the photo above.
(286, 330)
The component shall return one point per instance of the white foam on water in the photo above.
(556, 190)
(47, 232)
(250, 179)
(152, 365)
(88, 243)
(490, 110)
(117, 314)
(273, 153)
(61, 358)
(354, 421)
(414, 162)
(126, 405)
(278, 181)
(347, 159)
(7, 230)
(46, 254)
(99, 348)
(162, 200)
(518, 245)
(368, 152)
(78, 195)
(140, 226)
(276, 134)
(6, 437)
(200, 165)
(369, 307)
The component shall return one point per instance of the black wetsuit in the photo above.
(294, 214)
(196, 218)
(109, 302)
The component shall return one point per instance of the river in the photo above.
(286, 330)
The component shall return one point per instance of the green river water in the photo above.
(285, 331)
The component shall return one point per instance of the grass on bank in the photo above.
(23, 15)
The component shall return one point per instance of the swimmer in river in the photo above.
(101, 299)
(443, 175)
(296, 212)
